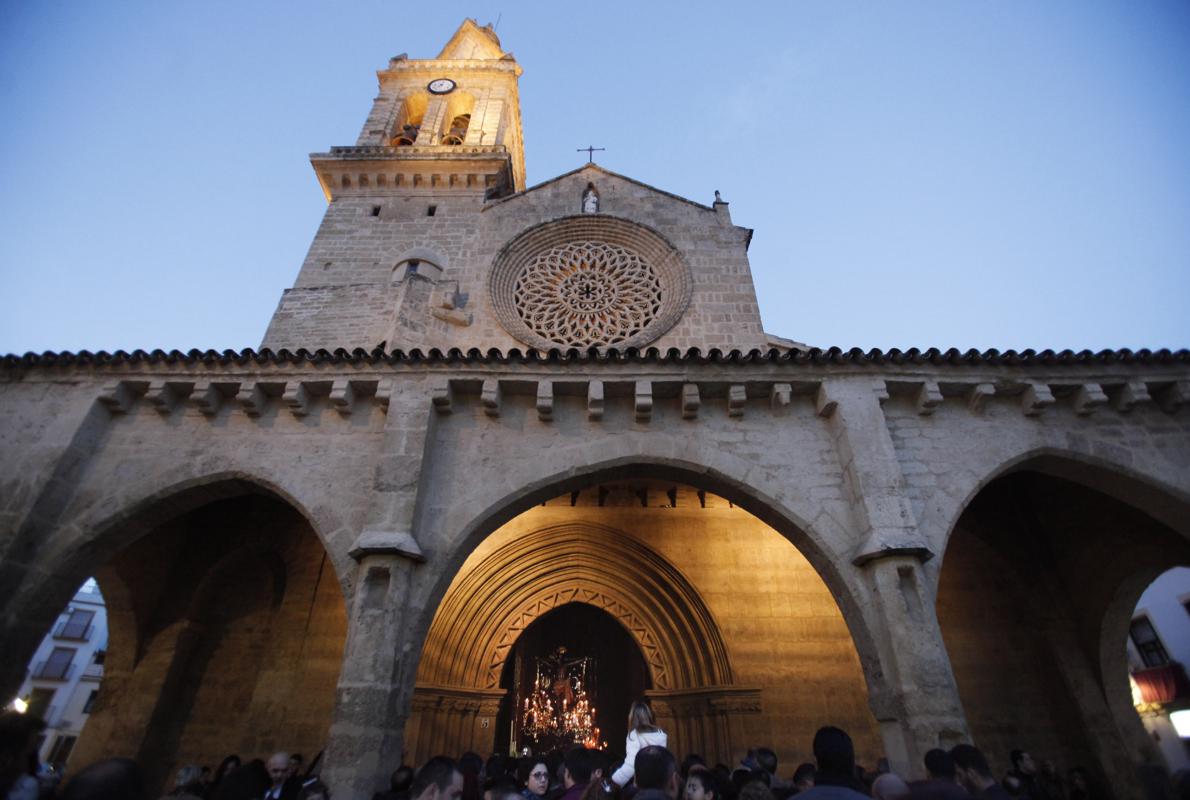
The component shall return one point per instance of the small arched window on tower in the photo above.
(590, 200)
(458, 118)
(409, 122)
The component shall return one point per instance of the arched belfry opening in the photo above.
(1038, 586)
(226, 629)
(738, 639)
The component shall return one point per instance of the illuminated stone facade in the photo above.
(875, 498)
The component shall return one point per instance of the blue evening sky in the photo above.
(969, 174)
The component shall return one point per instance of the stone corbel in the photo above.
(977, 398)
(490, 397)
(372, 542)
(643, 401)
(252, 398)
(780, 395)
(737, 400)
(1129, 395)
(166, 395)
(442, 397)
(297, 397)
(929, 397)
(1087, 398)
(595, 400)
(691, 400)
(119, 396)
(207, 397)
(1036, 398)
(545, 400)
(1174, 396)
(824, 404)
(342, 396)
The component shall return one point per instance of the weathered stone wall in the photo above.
(346, 294)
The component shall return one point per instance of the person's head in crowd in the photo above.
(690, 761)
(1022, 762)
(939, 765)
(110, 779)
(971, 769)
(576, 767)
(889, 786)
(755, 790)
(656, 768)
(188, 780)
(495, 767)
(401, 779)
(803, 777)
(246, 782)
(18, 743)
(835, 755)
(295, 764)
(501, 786)
(766, 759)
(1012, 784)
(601, 789)
(599, 764)
(278, 768)
(470, 763)
(438, 779)
(534, 772)
(700, 784)
(1077, 777)
(314, 789)
(640, 718)
(225, 766)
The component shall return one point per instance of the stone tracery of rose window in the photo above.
(587, 293)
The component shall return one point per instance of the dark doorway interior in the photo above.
(621, 674)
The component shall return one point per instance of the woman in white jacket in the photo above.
(642, 732)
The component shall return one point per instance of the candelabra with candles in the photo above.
(559, 710)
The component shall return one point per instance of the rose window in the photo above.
(592, 280)
(587, 293)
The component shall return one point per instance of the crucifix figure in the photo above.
(590, 151)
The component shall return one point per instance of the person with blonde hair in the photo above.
(642, 732)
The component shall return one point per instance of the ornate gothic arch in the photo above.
(486, 610)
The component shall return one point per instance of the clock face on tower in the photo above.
(441, 86)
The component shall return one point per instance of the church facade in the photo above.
(483, 407)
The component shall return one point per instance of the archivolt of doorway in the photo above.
(743, 641)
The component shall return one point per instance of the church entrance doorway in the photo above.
(741, 641)
(569, 678)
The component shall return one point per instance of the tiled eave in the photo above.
(855, 357)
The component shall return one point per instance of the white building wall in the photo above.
(65, 716)
(1163, 603)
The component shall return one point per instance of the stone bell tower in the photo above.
(443, 137)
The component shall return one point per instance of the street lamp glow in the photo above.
(20, 705)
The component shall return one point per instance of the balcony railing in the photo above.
(74, 631)
(53, 670)
(92, 672)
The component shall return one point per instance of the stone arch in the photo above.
(584, 563)
(1129, 483)
(451, 538)
(456, 121)
(1073, 541)
(409, 120)
(821, 539)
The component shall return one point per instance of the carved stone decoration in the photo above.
(587, 293)
(589, 281)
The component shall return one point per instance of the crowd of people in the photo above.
(649, 772)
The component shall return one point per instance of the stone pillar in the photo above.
(911, 688)
(368, 728)
(375, 689)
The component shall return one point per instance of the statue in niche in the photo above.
(590, 200)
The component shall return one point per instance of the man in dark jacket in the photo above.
(941, 783)
(576, 773)
(972, 771)
(656, 774)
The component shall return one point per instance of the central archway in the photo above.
(743, 641)
(510, 586)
